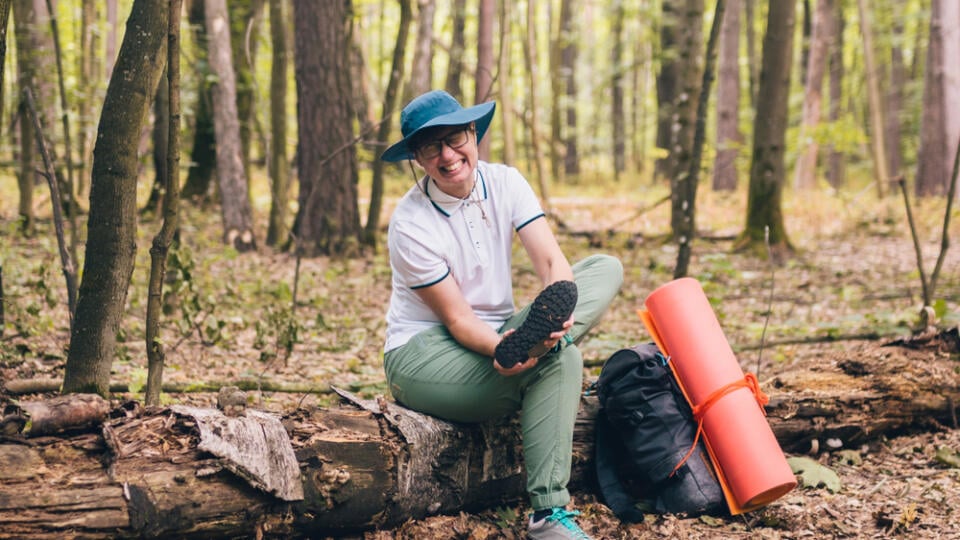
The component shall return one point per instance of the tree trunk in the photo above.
(245, 18)
(531, 58)
(231, 176)
(328, 219)
(806, 177)
(767, 169)
(421, 70)
(729, 138)
(934, 157)
(835, 160)
(753, 66)
(455, 63)
(88, 86)
(484, 74)
(568, 67)
(894, 100)
(617, 116)
(390, 99)
(875, 99)
(668, 82)
(203, 153)
(159, 133)
(683, 189)
(34, 55)
(111, 225)
(373, 464)
(277, 230)
(505, 78)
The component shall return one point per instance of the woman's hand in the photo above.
(536, 352)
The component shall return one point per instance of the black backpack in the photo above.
(644, 430)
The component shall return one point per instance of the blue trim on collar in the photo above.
(426, 191)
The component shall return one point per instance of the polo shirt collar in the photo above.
(448, 204)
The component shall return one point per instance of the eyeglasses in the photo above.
(432, 149)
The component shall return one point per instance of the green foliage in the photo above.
(197, 311)
(277, 332)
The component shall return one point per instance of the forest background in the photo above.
(762, 155)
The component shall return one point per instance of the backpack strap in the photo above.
(614, 493)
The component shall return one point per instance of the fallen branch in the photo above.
(20, 387)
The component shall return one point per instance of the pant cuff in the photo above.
(550, 500)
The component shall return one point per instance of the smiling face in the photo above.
(449, 155)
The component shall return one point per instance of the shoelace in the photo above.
(563, 517)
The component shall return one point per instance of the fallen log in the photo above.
(372, 464)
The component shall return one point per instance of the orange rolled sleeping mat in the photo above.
(727, 403)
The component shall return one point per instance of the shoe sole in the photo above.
(550, 309)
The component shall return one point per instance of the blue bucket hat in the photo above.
(436, 108)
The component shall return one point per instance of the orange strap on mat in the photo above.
(749, 381)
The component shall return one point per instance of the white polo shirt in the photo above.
(433, 234)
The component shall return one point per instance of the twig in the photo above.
(766, 319)
(66, 261)
(916, 241)
(945, 236)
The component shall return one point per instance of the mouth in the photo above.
(452, 168)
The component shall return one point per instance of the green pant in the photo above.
(434, 374)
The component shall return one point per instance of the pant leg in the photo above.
(598, 279)
(551, 399)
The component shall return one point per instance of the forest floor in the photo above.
(851, 285)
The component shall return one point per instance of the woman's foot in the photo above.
(557, 525)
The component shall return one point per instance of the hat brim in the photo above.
(480, 114)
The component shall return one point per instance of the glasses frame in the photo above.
(445, 140)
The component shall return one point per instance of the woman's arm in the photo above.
(544, 251)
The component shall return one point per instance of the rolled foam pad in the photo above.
(750, 463)
(550, 309)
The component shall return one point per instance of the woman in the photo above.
(450, 242)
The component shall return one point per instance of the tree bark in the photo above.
(806, 167)
(111, 225)
(372, 464)
(278, 229)
(203, 156)
(767, 170)
(729, 137)
(530, 56)
(483, 80)
(455, 63)
(421, 70)
(328, 222)
(390, 98)
(569, 51)
(835, 160)
(877, 112)
(231, 175)
(617, 117)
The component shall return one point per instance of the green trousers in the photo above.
(435, 375)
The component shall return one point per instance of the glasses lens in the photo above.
(430, 150)
(456, 139)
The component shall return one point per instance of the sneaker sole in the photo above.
(550, 309)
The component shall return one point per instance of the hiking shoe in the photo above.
(550, 309)
(558, 525)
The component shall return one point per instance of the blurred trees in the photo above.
(572, 81)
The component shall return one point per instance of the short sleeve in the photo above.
(415, 263)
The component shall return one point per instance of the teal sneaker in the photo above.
(557, 526)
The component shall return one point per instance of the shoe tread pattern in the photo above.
(550, 309)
